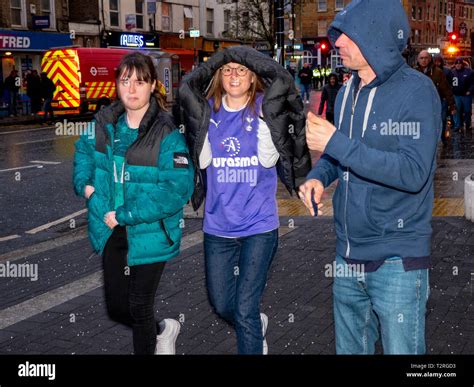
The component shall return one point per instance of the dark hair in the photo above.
(145, 70)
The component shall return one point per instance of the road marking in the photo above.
(44, 140)
(39, 304)
(56, 222)
(27, 130)
(46, 162)
(10, 237)
(48, 300)
(14, 169)
(41, 247)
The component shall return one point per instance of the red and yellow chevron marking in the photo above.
(62, 67)
(96, 90)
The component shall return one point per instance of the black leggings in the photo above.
(130, 292)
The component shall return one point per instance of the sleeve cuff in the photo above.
(318, 174)
(123, 216)
(338, 146)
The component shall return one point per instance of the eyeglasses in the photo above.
(126, 83)
(241, 71)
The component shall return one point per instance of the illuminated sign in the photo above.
(128, 40)
(132, 40)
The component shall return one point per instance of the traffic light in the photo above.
(453, 38)
(323, 47)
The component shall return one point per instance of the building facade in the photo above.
(427, 20)
(27, 29)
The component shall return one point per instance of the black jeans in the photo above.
(130, 292)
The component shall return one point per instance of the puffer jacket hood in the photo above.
(282, 110)
(380, 42)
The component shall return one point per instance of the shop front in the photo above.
(23, 50)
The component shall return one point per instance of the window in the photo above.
(420, 13)
(165, 16)
(139, 12)
(322, 5)
(322, 27)
(114, 13)
(226, 19)
(413, 12)
(47, 9)
(188, 18)
(339, 4)
(17, 9)
(210, 21)
(428, 13)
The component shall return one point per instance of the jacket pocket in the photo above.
(358, 213)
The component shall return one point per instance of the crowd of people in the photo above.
(455, 86)
(39, 91)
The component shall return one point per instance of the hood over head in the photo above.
(379, 28)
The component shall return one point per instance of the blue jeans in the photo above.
(236, 274)
(464, 111)
(389, 298)
(305, 89)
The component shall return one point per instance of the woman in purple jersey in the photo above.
(238, 155)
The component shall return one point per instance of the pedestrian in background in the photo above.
(47, 88)
(328, 97)
(33, 90)
(305, 75)
(12, 86)
(427, 67)
(463, 87)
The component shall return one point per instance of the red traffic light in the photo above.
(323, 46)
(453, 37)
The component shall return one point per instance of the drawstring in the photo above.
(370, 102)
(344, 101)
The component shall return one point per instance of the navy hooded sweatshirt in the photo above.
(384, 151)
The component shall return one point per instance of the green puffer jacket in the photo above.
(158, 181)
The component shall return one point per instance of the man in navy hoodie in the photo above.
(383, 151)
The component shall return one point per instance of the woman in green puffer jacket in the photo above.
(136, 175)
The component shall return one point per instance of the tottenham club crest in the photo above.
(231, 146)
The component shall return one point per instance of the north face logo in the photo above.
(180, 160)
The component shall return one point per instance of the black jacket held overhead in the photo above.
(282, 110)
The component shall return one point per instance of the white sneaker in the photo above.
(264, 319)
(165, 342)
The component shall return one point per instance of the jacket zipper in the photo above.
(354, 103)
(165, 231)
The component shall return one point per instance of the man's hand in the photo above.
(317, 188)
(318, 132)
(453, 111)
(88, 191)
(109, 219)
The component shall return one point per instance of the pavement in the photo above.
(59, 309)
